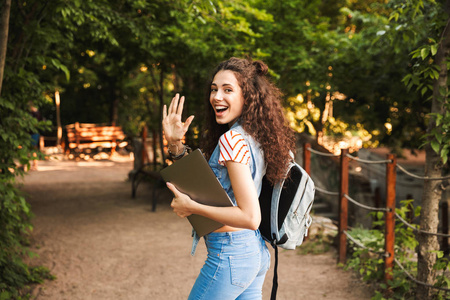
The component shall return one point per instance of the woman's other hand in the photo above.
(174, 128)
(181, 204)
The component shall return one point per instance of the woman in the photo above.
(246, 137)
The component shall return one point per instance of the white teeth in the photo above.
(221, 107)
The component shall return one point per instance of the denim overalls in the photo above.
(237, 261)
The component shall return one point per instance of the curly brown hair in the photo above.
(262, 116)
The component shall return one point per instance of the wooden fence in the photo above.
(389, 210)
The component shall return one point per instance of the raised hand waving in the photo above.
(174, 128)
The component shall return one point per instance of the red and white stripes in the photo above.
(233, 147)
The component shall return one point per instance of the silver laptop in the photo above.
(193, 176)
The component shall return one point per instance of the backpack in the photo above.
(285, 212)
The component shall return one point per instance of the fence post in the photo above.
(343, 206)
(391, 177)
(444, 209)
(307, 158)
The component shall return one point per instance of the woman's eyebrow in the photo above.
(225, 84)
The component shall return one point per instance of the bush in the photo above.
(371, 265)
(16, 151)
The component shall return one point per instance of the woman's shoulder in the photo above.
(233, 147)
(232, 138)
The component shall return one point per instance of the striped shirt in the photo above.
(233, 147)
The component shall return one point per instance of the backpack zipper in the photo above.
(306, 214)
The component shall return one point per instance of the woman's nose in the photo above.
(218, 95)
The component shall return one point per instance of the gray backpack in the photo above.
(285, 212)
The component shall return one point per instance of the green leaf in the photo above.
(415, 54)
(433, 49)
(201, 19)
(435, 73)
(424, 90)
(444, 155)
(380, 215)
(417, 211)
(406, 79)
(66, 71)
(438, 253)
(435, 146)
(447, 281)
(438, 120)
(378, 296)
(424, 52)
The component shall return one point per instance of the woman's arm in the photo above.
(246, 214)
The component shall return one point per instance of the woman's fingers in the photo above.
(170, 107)
(180, 106)
(178, 203)
(188, 122)
(172, 116)
(174, 190)
(174, 104)
(164, 112)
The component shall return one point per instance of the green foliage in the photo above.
(423, 24)
(22, 86)
(442, 267)
(318, 243)
(15, 214)
(371, 266)
(17, 276)
(94, 50)
(318, 50)
(368, 265)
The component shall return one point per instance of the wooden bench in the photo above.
(83, 136)
(146, 168)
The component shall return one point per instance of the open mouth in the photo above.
(221, 109)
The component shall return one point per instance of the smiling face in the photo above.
(226, 97)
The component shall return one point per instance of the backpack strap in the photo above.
(276, 192)
(273, 296)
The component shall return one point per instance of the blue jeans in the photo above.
(235, 268)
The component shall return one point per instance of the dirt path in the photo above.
(101, 244)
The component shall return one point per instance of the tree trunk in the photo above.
(429, 221)
(4, 28)
(114, 94)
(115, 109)
(432, 190)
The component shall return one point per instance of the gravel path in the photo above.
(102, 244)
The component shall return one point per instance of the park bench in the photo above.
(146, 168)
(147, 171)
(84, 137)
